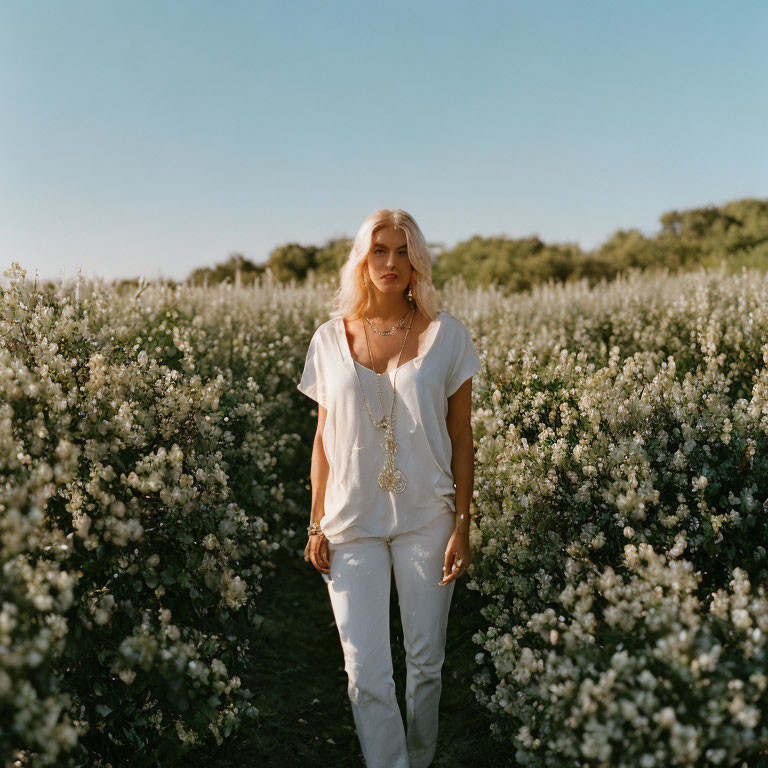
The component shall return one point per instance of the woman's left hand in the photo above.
(457, 557)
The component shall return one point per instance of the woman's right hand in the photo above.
(318, 553)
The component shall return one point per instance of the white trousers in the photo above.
(359, 587)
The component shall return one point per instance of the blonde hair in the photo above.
(355, 293)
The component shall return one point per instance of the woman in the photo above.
(392, 377)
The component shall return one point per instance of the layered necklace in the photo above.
(390, 477)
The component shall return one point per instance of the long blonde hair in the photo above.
(355, 293)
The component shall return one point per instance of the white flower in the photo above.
(127, 676)
(699, 483)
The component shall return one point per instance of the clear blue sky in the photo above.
(155, 136)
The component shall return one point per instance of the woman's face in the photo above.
(389, 256)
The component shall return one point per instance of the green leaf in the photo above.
(167, 577)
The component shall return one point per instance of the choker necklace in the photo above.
(396, 327)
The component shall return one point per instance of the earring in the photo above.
(410, 294)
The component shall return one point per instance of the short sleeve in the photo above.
(465, 363)
(312, 381)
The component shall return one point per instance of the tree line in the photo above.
(735, 233)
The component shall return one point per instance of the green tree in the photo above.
(227, 271)
(292, 261)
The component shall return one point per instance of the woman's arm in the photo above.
(317, 546)
(463, 456)
(319, 469)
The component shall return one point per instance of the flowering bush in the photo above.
(34, 593)
(154, 453)
(622, 490)
(146, 467)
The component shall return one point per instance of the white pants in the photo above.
(359, 584)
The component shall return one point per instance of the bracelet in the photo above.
(314, 528)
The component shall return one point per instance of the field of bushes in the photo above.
(154, 470)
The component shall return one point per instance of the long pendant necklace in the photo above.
(390, 477)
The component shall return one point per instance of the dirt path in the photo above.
(301, 686)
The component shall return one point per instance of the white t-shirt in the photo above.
(354, 505)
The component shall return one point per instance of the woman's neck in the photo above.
(388, 307)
